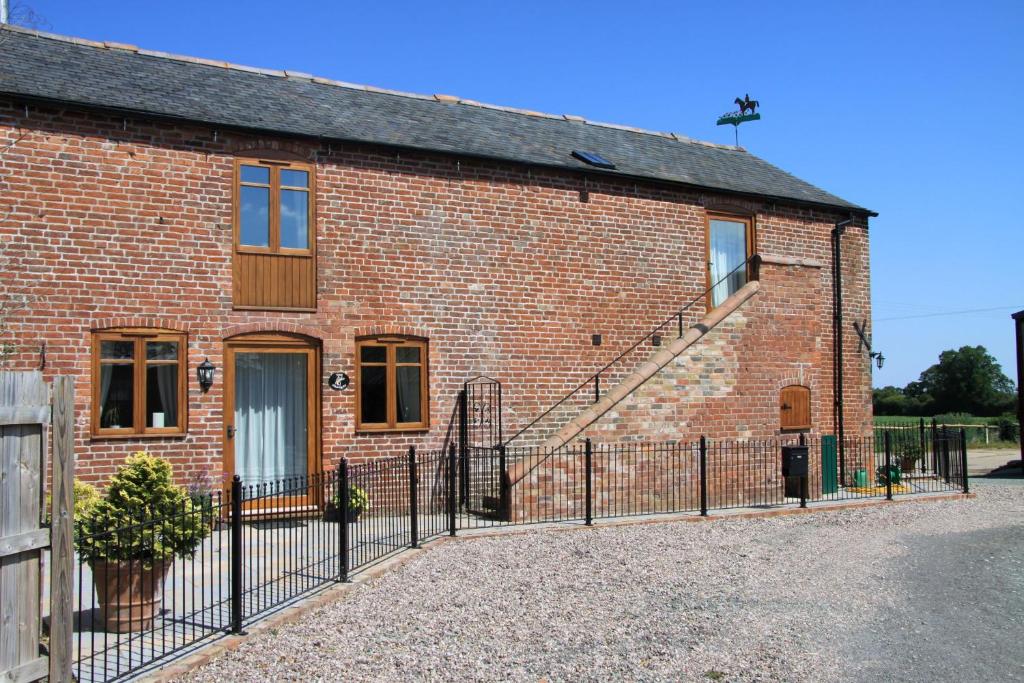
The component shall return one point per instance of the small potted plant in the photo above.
(131, 536)
(201, 488)
(357, 502)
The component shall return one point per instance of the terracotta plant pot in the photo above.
(128, 593)
(331, 514)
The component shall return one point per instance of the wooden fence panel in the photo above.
(24, 403)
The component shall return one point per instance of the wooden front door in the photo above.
(271, 411)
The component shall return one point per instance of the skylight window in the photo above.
(592, 158)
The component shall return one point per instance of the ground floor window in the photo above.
(391, 382)
(138, 382)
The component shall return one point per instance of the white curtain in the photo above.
(408, 380)
(728, 251)
(167, 385)
(270, 416)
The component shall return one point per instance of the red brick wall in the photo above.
(109, 221)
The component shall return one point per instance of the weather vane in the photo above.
(735, 118)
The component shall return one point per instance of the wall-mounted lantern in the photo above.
(205, 373)
(865, 343)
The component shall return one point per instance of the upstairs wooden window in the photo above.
(275, 234)
(391, 384)
(138, 383)
(795, 408)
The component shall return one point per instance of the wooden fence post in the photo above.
(62, 530)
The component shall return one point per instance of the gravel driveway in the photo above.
(921, 591)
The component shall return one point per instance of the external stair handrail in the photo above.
(754, 263)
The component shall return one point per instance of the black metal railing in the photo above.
(591, 386)
(266, 545)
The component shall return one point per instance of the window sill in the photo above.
(289, 309)
(366, 431)
(125, 437)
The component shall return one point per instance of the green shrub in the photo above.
(86, 495)
(1009, 430)
(357, 499)
(144, 516)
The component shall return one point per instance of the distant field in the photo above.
(907, 420)
(989, 438)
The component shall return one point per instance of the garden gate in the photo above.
(24, 432)
(481, 454)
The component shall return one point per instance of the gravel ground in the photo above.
(891, 593)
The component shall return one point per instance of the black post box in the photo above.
(794, 461)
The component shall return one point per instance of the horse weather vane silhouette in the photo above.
(735, 118)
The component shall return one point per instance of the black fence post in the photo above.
(504, 492)
(703, 476)
(888, 465)
(589, 465)
(803, 479)
(924, 451)
(935, 447)
(236, 555)
(464, 446)
(343, 494)
(946, 469)
(451, 489)
(414, 529)
(963, 459)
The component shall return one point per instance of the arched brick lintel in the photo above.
(271, 327)
(397, 330)
(100, 324)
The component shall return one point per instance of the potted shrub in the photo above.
(131, 536)
(357, 502)
(909, 456)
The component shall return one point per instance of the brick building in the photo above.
(159, 211)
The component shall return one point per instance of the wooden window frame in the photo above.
(139, 337)
(275, 167)
(751, 232)
(391, 343)
(796, 427)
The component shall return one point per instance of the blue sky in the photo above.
(912, 109)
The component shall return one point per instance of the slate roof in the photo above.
(125, 78)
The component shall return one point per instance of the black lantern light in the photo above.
(879, 359)
(205, 373)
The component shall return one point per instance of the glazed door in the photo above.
(729, 244)
(270, 411)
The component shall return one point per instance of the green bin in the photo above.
(860, 478)
(829, 467)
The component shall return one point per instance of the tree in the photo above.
(967, 380)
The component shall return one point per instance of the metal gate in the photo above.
(481, 454)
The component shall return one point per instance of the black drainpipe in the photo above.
(837, 342)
